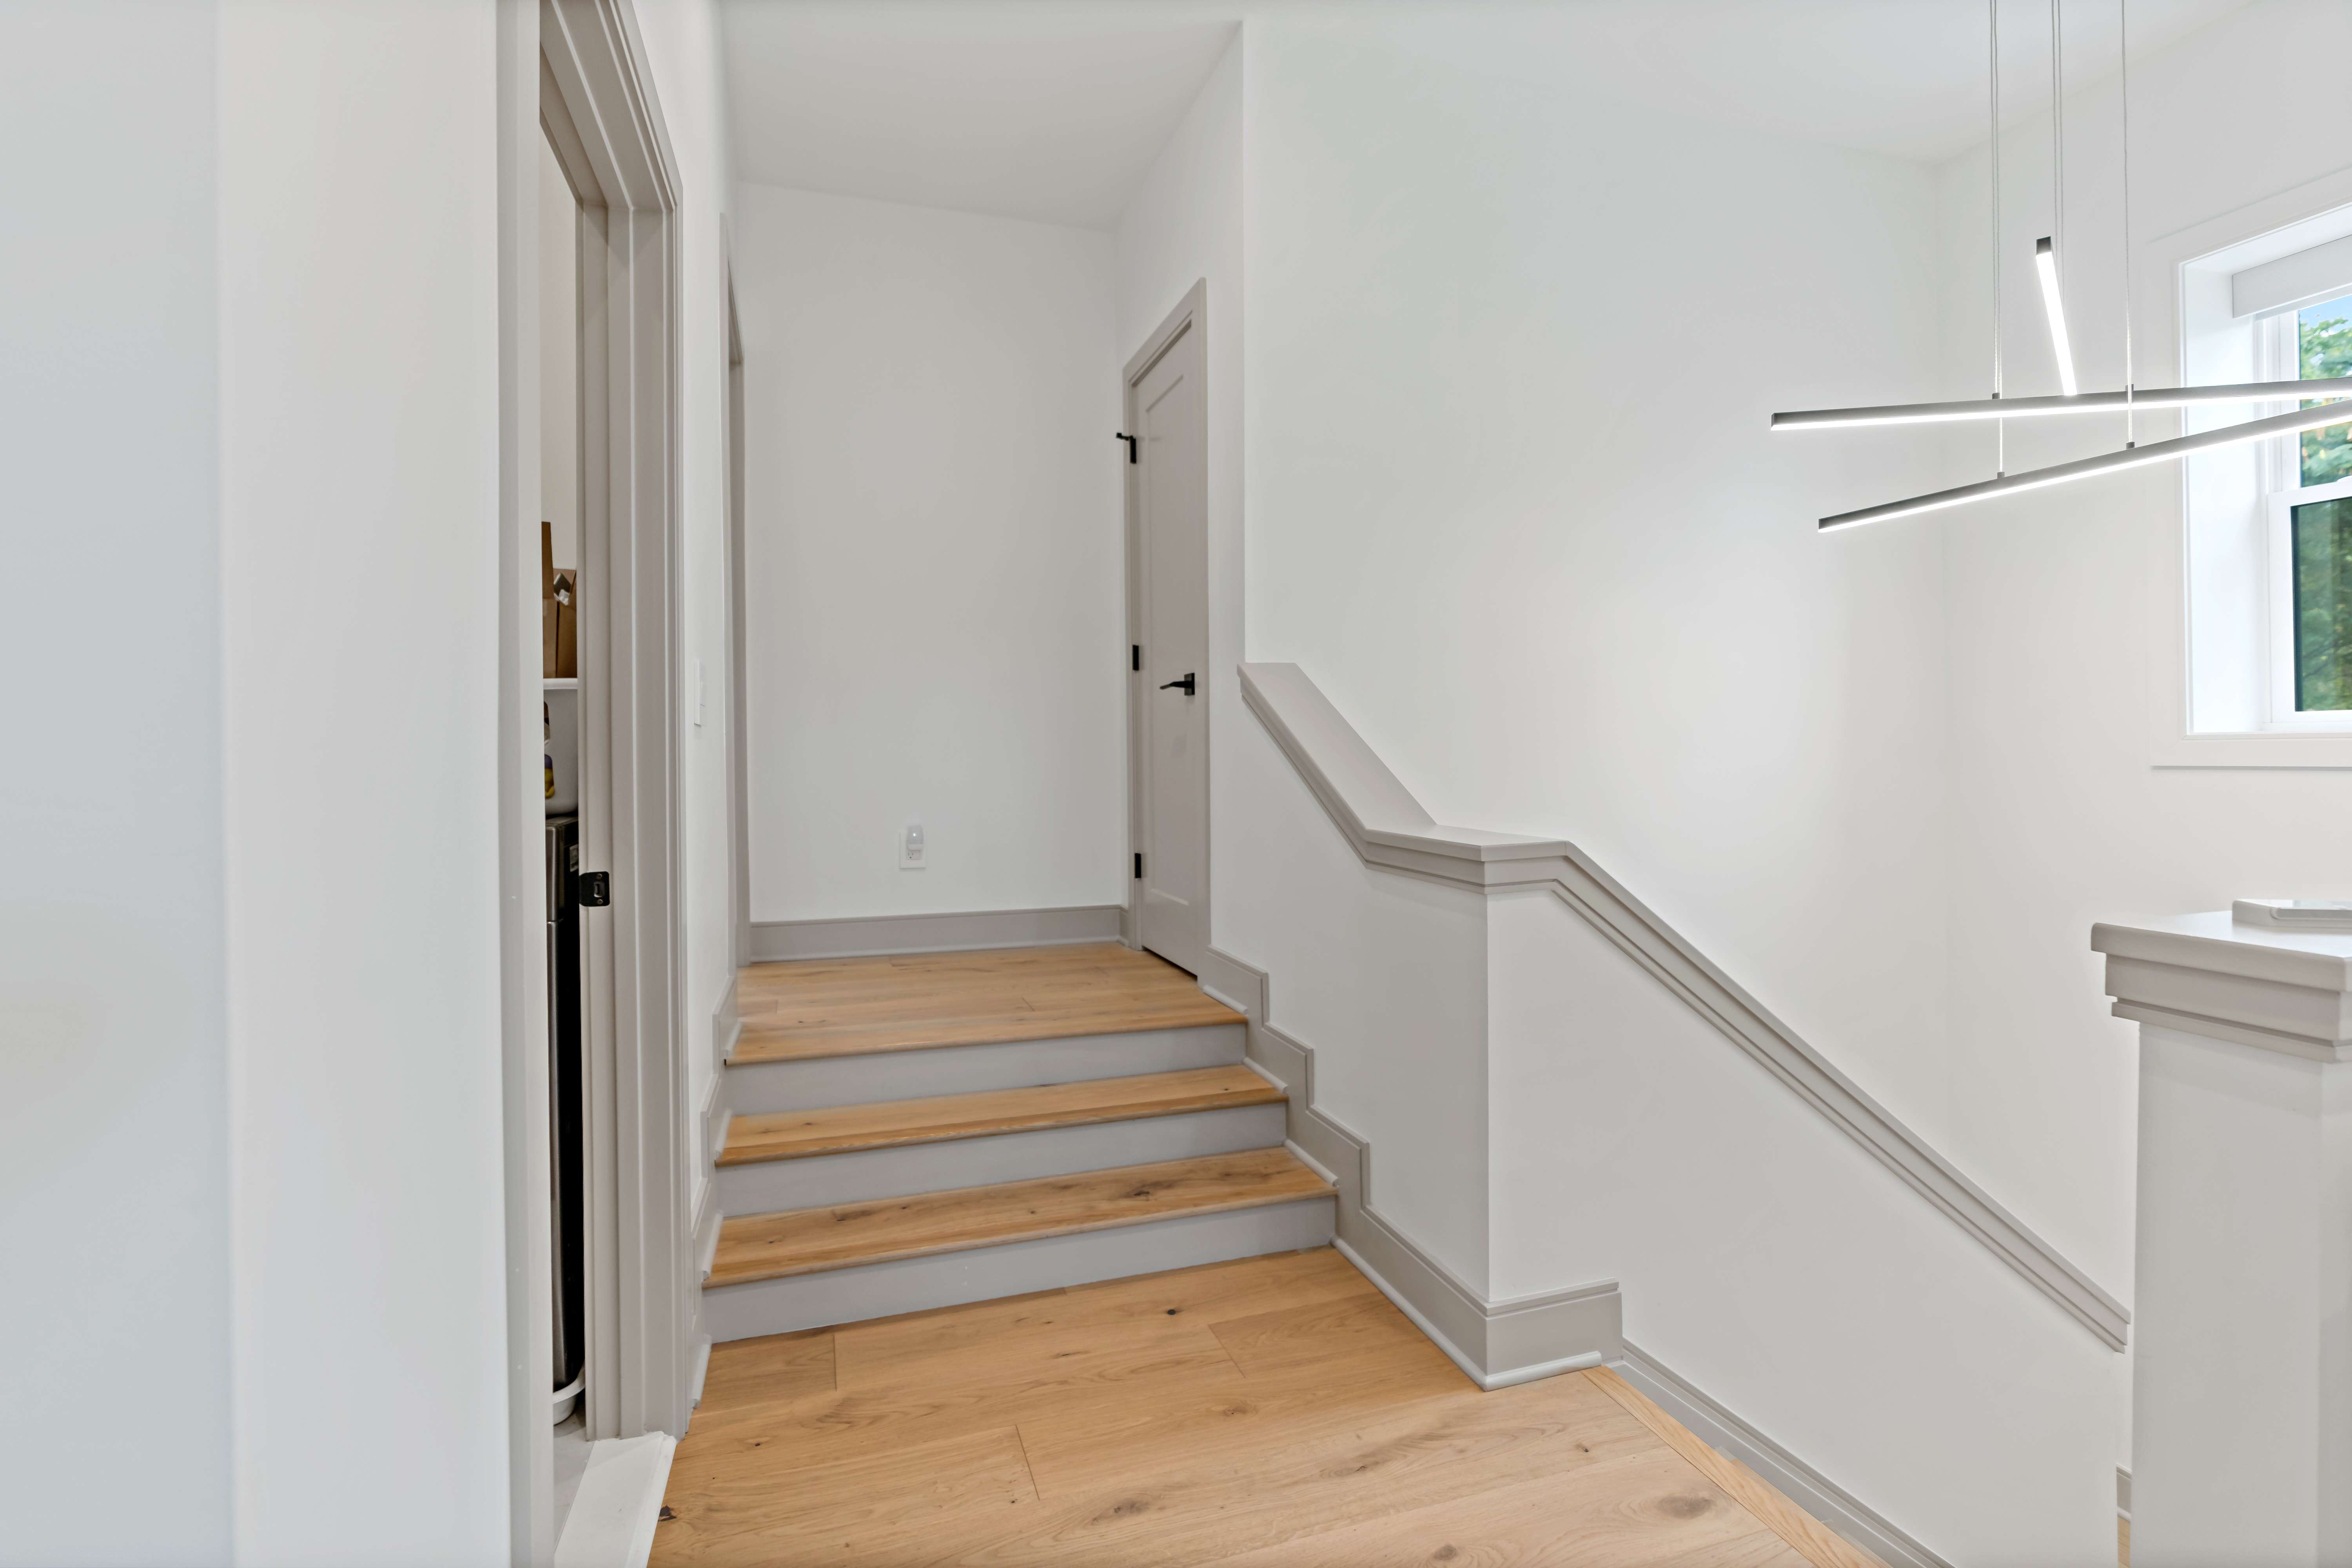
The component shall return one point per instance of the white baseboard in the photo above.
(1726, 1434)
(869, 936)
(612, 1521)
(1497, 1344)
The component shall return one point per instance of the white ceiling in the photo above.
(1901, 78)
(1052, 110)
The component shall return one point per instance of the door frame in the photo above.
(739, 782)
(1192, 313)
(575, 71)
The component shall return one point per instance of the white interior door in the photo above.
(1170, 697)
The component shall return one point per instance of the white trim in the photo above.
(1389, 829)
(598, 106)
(613, 1515)
(1802, 1484)
(1495, 1344)
(2185, 297)
(2308, 276)
(726, 1025)
(2288, 991)
(2122, 1492)
(869, 936)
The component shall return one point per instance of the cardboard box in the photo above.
(562, 617)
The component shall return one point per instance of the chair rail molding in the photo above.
(1389, 829)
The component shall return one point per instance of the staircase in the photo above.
(920, 1131)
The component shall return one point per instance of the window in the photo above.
(2309, 483)
(2264, 649)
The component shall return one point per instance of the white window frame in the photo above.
(2283, 714)
(2214, 686)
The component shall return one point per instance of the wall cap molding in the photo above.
(2287, 991)
(1388, 828)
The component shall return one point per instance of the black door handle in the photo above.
(1184, 685)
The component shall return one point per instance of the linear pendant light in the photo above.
(2053, 305)
(2288, 424)
(2310, 414)
(2084, 402)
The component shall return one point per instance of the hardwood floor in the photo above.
(849, 1005)
(1274, 1410)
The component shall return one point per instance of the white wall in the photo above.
(933, 546)
(359, 544)
(1778, 1266)
(114, 1213)
(251, 977)
(1512, 504)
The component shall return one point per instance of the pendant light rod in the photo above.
(2286, 423)
(2084, 402)
(2123, 76)
(1992, 147)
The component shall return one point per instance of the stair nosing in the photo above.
(1129, 1111)
(1323, 1189)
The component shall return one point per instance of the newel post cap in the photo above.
(2281, 990)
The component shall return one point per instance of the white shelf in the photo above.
(560, 683)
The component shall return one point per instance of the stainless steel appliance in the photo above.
(566, 1142)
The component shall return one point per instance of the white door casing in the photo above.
(1167, 600)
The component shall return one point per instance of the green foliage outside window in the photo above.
(2324, 337)
(2322, 604)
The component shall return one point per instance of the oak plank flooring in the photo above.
(808, 1240)
(814, 1007)
(1642, 1509)
(799, 1135)
(1204, 1415)
(1799, 1529)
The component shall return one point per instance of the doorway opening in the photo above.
(597, 1180)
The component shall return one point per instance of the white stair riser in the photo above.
(756, 1087)
(985, 1273)
(854, 1177)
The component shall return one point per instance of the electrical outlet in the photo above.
(911, 847)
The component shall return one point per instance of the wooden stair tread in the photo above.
(812, 1240)
(848, 1006)
(797, 1134)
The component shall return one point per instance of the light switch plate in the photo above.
(911, 847)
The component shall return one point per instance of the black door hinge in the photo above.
(1135, 655)
(1139, 862)
(595, 889)
(1123, 436)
